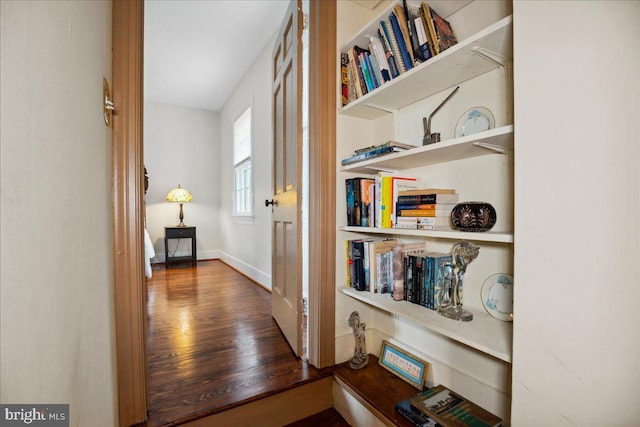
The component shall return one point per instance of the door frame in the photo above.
(128, 176)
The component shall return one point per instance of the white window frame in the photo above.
(243, 192)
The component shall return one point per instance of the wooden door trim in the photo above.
(128, 226)
(322, 182)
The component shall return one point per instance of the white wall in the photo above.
(577, 205)
(182, 146)
(56, 266)
(246, 245)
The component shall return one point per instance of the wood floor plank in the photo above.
(213, 345)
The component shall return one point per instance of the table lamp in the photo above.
(180, 195)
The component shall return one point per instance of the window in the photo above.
(242, 182)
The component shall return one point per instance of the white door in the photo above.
(286, 299)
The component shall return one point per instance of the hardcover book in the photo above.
(444, 32)
(428, 199)
(425, 212)
(414, 416)
(452, 410)
(379, 265)
(423, 191)
(344, 67)
(425, 14)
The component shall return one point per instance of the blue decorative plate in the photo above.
(497, 296)
(477, 119)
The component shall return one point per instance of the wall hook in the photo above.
(108, 103)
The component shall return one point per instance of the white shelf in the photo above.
(435, 74)
(487, 236)
(483, 333)
(440, 152)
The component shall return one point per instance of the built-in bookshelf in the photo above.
(482, 52)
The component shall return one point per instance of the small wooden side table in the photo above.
(180, 233)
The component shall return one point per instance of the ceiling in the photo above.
(196, 52)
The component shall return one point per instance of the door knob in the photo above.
(270, 202)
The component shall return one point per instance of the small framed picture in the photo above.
(403, 364)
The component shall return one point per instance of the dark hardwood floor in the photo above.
(212, 344)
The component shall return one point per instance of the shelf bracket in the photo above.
(491, 147)
(489, 55)
(392, 111)
(379, 169)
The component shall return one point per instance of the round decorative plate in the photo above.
(477, 119)
(497, 296)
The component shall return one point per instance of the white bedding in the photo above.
(149, 253)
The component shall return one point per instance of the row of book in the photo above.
(392, 201)
(439, 406)
(407, 37)
(405, 270)
(376, 151)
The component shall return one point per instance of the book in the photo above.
(373, 69)
(377, 274)
(344, 67)
(384, 266)
(354, 63)
(357, 201)
(413, 33)
(425, 212)
(349, 261)
(425, 220)
(399, 184)
(444, 32)
(399, 37)
(423, 41)
(351, 206)
(424, 223)
(381, 58)
(365, 70)
(391, 60)
(428, 198)
(365, 201)
(421, 191)
(415, 417)
(394, 144)
(393, 42)
(451, 409)
(357, 257)
(368, 155)
(439, 206)
(431, 31)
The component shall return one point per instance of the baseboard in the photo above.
(260, 277)
(202, 255)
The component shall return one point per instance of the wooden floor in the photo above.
(212, 344)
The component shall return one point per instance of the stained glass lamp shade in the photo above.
(180, 195)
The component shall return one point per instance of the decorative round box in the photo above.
(473, 216)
